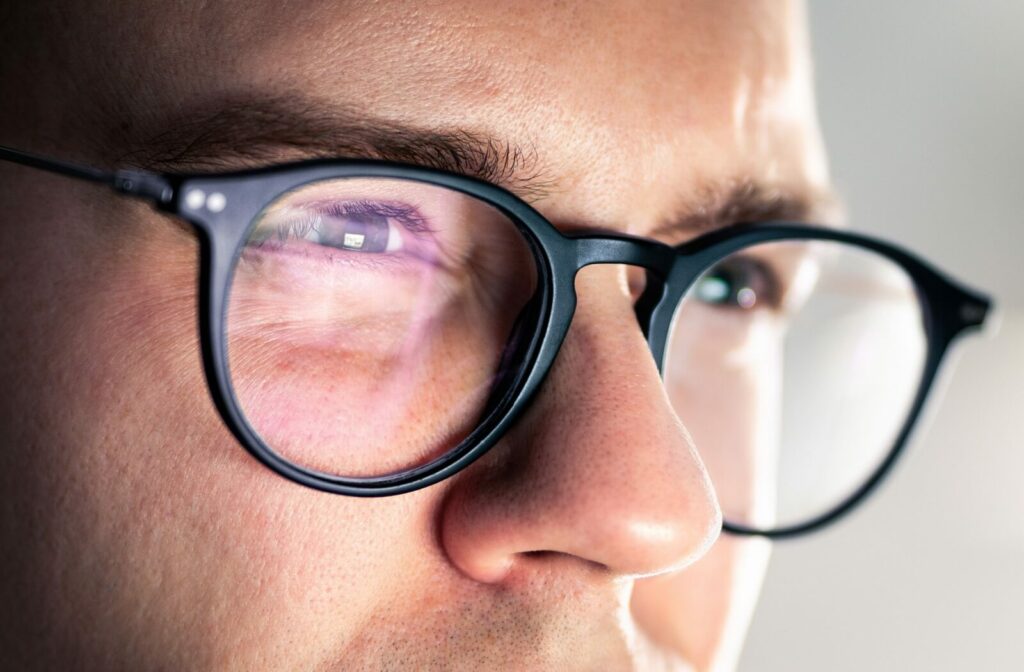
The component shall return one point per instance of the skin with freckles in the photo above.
(138, 534)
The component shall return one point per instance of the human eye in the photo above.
(339, 229)
(741, 283)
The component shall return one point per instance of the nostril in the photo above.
(555, 556)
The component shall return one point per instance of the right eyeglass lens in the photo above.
(794, 366)
(373, 323)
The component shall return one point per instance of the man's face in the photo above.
(140, 535)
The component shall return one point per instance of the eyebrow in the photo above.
(259, 132)
(255, 133)
(746, 200)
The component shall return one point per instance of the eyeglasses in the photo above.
(370, 328)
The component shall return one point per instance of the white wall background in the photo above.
(922, 105)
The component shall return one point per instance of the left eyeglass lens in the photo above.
(794, 366)
(373, 322)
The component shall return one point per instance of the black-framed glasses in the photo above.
(370, 328)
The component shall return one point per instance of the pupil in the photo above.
(362, 232)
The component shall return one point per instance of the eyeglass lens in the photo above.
(369, 322)
(794, 366)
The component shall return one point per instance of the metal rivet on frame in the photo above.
(216, 201)
(195, 199)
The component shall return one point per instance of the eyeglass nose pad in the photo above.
(646, 304)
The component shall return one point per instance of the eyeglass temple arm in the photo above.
(147, 186)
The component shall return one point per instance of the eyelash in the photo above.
(407, 215)
(311, 215)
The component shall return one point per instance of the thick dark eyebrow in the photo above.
(254, 133)
(258, 132)
(746, 200)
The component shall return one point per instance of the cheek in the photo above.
(703, 611)
(365, 383)
(148, 529)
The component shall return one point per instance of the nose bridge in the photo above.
(620, 249)
(600, 468)
(656, 257)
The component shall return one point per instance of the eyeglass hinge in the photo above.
(144, 185)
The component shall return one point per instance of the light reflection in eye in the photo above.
(739, 282)
(363, 232)
(746, 298)
(712, 289)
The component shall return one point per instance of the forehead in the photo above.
(615, 98)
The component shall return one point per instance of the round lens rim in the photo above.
(941, 301)
(950, 308)
(225, 235)
(920, 382)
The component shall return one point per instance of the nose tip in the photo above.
(599, 468)
(649, 511)
(639, 516)
(644, 543)
(656, 547)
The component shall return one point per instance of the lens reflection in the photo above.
(794, 366)
(369, 322)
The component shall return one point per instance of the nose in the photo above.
(599, 468)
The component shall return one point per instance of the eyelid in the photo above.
(293, 215)
(420, 239)
(409, 216)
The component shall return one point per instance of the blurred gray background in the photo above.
(922, 106)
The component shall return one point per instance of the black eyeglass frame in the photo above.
(949, 308)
